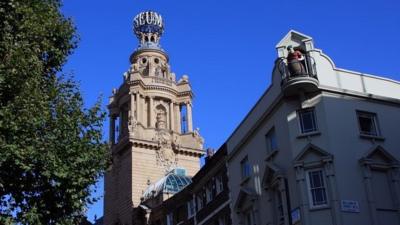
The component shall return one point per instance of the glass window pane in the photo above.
(319, 195)
(274, 145)
(317, 188)
(367, 123)
(245, 168)
(271, 141)
(307, 121)
(316, 180)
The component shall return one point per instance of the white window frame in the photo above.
(373, 117)
(314, 120)
(310, 193)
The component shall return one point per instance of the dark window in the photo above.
(191, 208)
(209, 192)
(199, 199)
(170, 219)
(219, 184)
(308, 122)
(317, 189)
(184, 127)
(368, 123)
(270, 138)
(245, 168)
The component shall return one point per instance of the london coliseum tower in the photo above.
(151, 130)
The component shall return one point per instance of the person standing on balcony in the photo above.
(295, 60)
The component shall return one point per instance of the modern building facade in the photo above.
(320, 147)
(151, 130)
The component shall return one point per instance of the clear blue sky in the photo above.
(227, 48)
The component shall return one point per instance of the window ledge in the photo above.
(244, 180)
(377, 138)
(309, 134)
(271, 155)
(322, 207)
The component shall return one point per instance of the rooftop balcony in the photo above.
(298, 75)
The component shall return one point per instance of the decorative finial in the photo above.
(148, 27)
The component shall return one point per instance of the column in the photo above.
(132, 110)
(284, 200)
(143, 104)
(370, 195)
(189, 117)
(334, 198)
(112, 130)
(302, 190)
(151, 112)
(395, 185)
(178, 127)
(138, 110)
(171, 115)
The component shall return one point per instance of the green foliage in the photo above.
(51, 149)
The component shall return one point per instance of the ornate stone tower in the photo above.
(151, 129)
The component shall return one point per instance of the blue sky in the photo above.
(227, 48)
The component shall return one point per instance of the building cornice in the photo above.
(372, 97)
(151, 145)
(160, 88)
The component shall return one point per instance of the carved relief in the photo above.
(134, 67)
(197, 136)
(132, 125)
(161, 117)
(166, 156)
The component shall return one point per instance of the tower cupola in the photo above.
(148, 27)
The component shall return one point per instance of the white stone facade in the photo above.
(317, 150)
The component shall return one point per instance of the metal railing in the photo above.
(297, 68)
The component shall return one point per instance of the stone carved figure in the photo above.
(158, 72)
(161, 117)
(135, 67)
(196, 134)
(166, 156)
(132, 125)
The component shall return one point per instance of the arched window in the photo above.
(183, 119)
